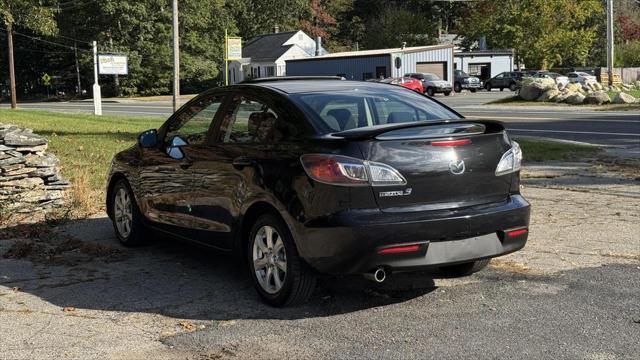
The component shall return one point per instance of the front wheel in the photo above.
(513, 87)
(457, 87)
(465, 269)
(430, 91)
(447, 93)
(279, 275)
(473, 90)
(487, 87)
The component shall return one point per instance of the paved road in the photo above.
(619, 128)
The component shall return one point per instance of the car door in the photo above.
(166, 178)
(256, 146)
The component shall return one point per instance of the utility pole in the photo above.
(176, 59)
(97, 98)
(12, 69)
(75, 50)
(610, 58)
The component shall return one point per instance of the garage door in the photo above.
(438, 68)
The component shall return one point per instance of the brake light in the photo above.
(348, 171)
(399, 249)
(514, 233)
(451, 142)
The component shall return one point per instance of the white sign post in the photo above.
(111, 64)
(232, 51)
(97, 98)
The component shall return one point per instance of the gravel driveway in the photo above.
(573, 292)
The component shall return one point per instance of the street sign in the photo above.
(46, 79)
(234, 48)
(110, 64)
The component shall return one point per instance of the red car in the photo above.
(407, 82)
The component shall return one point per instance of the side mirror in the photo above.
(148, 139)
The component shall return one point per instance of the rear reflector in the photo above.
(514, 233)
(451, 142)
(399, 249)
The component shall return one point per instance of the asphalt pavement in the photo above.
(583, 124)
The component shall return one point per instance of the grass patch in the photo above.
(85, 145)
(541, 150)
(634, 93)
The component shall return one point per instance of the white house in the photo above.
(265, 55)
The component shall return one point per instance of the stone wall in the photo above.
(30, 180)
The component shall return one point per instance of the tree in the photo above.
(395, 25)
(320, 19)
(543, 33)
(29, 14)
(255, 17)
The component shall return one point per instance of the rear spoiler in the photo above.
(440, 128)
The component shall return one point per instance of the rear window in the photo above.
(344, 110)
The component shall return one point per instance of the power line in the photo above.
(45, 41)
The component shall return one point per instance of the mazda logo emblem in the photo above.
(456, 167)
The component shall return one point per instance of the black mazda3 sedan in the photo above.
(308, 176)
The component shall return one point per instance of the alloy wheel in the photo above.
(269, 259)
(123, 212)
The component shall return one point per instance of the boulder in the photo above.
(549, 95)
(597, 98)
(562, 97)
(575, 99)
(573, 87)
(532, 88)
(623, 98)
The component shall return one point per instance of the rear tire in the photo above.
(513, 87)
(457, 87)
(279, 275)
(473, 90)
(430, 91)
(447, 93)
(126, 217)
(487, 87)
(465, 269)
(501, 89)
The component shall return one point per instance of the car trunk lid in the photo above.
(448, 164)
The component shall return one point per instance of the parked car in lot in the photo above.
(432, 83)
(504, 80)
(558, 78)
(301, 176)
(581, 78)
(462, 80)
(407, 82)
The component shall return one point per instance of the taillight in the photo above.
(348, 171)
(511, 161)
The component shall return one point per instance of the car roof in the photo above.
(304, 86)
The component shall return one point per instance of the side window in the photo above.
(192, 125)
(500, 76)
(251, 121)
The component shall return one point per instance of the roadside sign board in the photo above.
(234, 48)
(110, 64)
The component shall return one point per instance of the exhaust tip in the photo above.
(379, 275)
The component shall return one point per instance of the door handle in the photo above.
(241, 162)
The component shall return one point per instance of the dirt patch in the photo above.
(39, 244)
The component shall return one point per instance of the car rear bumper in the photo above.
(350, 242)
